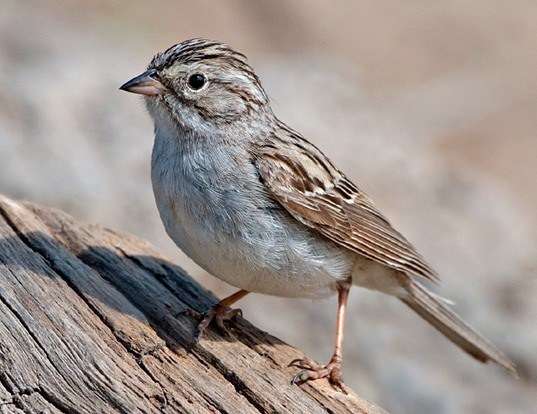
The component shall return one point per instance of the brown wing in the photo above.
(308, 186)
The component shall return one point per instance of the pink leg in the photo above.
(311, 370)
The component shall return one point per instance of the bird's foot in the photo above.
(312, 371)
(218, 314)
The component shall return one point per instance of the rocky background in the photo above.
(431, 107)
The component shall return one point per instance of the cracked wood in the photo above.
(94, 321)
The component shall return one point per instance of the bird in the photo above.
(257, 205)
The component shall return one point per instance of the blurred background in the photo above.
(431, 107)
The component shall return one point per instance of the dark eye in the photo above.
(196, 81)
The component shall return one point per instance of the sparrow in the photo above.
(257, 205)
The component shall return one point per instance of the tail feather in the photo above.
(433, 310)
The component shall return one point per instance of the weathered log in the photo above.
(94, 321)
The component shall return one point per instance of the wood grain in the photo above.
(95, 321)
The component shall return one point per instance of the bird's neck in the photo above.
(177, 148)
(181, 138)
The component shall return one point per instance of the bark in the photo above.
(94, 321)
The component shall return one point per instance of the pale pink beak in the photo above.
(144, 84)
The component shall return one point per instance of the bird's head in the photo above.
(200, 85)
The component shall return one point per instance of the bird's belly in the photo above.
(281, 259)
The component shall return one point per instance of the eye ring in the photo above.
(196, 81)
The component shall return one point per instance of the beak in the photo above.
(144, 84)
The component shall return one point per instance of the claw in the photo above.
(191, 313)
(312, 371)
(340, 386)
(304, 363)
(219, 314)
(294, 362)
(336, 380)
(300, 378)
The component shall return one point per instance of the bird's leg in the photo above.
(221, 312)
(311, 370)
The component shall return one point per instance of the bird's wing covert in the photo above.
(315, 193)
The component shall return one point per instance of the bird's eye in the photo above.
(196, 81)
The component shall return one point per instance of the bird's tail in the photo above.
(433, 309)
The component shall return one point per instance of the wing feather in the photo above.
(313, 191)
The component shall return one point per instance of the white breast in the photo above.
(214, 208)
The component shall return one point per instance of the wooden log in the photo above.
(94, 321)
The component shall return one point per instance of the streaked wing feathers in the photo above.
(314, 192)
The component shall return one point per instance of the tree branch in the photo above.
(92, 320)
